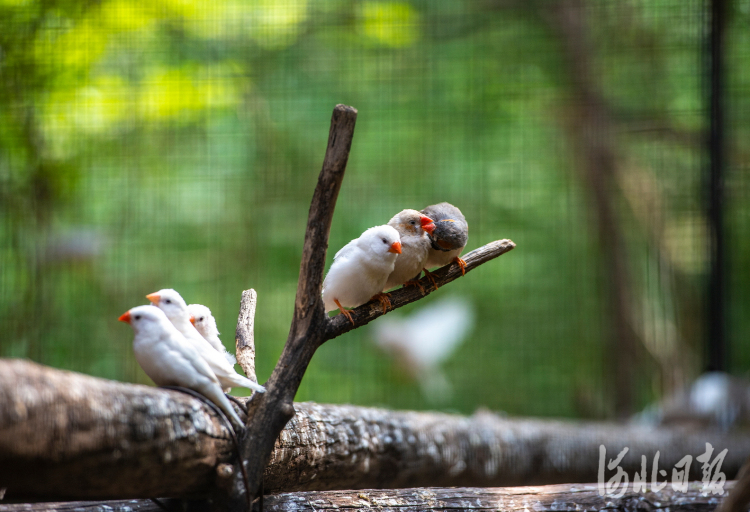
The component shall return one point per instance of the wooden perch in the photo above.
(552, 498)
(346, 447)
(368, 312)
(68, 436)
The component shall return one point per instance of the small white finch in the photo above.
(449, 236)
(169, 360)
(412, 227)
(360, 269)
(205, 323)
(174, 307)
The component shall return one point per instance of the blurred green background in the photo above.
(146, 145)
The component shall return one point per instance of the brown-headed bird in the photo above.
(413, 228)
(448, 238)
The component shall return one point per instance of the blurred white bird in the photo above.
(174, 307)
(169, 360)
(360, 269)
(412, 227)
(714, 399)
(449, 237)
(205, 323)
(422, 341)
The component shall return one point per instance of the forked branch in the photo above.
(269, 412)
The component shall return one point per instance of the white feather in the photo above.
(169, 360)
(175, 308)
(360, 268)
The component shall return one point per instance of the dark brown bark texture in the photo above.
(346, 447)
(65, 435)
(553, 498)
(69, 436)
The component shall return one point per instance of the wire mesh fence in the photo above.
(177, 144)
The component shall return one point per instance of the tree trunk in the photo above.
(70, 436)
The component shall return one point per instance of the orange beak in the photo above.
(154, 298)
(395, 247)
(125, 317)
(192, 319)
(427, 223)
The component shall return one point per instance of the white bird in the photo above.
(174, 307)
(422, 341)
(714, 399)
(412, 227)
(205, 323)
(169, 360)
(360, 269)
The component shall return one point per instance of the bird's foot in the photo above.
(462, 264)
(238, 403)
(384, 300)
(416, 283)
(343, 311)
(429, 276)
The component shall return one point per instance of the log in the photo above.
(69, 436)
(329, 447)
(553, 498)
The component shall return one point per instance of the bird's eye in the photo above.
(168, 301)
(137, 317)
(200, 319)
(413, 223)
(384, 240)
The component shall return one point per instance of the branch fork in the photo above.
(269, 412)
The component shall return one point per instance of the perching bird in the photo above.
(449, 236)
(715, 399)
(169, 360)
(413, 227)
(360, 270)
(421, 342)
(205, 323)
(174, 307)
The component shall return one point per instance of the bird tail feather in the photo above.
(239, 380)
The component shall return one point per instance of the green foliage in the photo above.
(176, 144)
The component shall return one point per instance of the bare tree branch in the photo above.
(551, 498)
(245, 334)
(273, 409)
(368, 312)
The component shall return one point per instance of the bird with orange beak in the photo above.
(449, 237)
(169, 360)
(205, 324)
(174, 306)
(412, 228)
(360, 270)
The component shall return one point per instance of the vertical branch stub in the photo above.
(244, 337)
